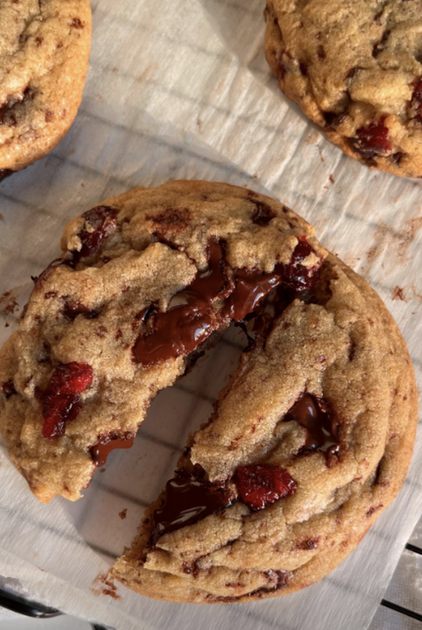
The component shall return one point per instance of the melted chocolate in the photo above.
(251, 287)
(189, 319)
(313, 414)
(106, 444)
(263, 214)
(187, 501)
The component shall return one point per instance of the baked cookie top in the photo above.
(310, 439)
(44, 50)
(354, 67)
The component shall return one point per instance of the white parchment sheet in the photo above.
(181, 89)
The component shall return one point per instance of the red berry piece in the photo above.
(100, 222)
(372, 141)
(61, 399)
(301, 278)
(262, 485)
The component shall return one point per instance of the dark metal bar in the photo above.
(414, 548)
(400, 609)
(25, 607)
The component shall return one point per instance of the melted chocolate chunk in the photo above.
(334, 120)
(8, 389)
(100, 222)
(189, 319)
(108, 443)
(251, 287)
(188, 500)
(263, 214)
(321, 428)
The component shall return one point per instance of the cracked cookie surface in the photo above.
(310, 439)
(44, 51)
(355, 69)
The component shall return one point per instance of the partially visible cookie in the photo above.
(354, 67)
(44, 51)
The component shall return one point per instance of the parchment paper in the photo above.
(181, 89)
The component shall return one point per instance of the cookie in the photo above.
(354, 67)
(44, 50)
(310, 439)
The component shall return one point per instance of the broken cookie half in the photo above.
(310, 439)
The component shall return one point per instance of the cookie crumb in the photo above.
(104, 585)
(398, 294)
(123, 514)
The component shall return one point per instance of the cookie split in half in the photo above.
(44, 51)
(309, 441)
(354, 67)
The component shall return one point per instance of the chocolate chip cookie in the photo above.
(44, 50)
(354, 67)
(309, 441)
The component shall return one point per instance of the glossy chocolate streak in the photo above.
(251, 287)
(187, 501)
(189, 319)
(313, 415)
(106, 444)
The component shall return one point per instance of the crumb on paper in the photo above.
(398, 294)
(123, 513)
(102, 470)
(312, 137)
(1, 217)
(8, 303)
(100, 98)
(412, 226)
(332, 180)
(114, 69)
(104, 585)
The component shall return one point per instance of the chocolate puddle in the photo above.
(106, 444)
(187, 501)
(321, 429)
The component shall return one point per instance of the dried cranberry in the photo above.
(261, 485)
(372, 141)
(295, 274)
(101, 221)
(61, 400)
